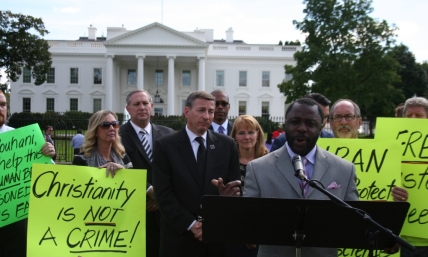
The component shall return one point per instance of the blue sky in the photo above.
(257, 22)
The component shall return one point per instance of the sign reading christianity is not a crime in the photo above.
(377, 164)
(77, 211)
(19, 148)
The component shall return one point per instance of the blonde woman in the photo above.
(102, 145)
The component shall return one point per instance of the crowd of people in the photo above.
(212, 155)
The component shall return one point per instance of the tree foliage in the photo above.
(19, 48)
(414, 79)
(345, 55)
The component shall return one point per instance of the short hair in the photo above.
(356, 108)
(79, 131)
(415, 101)
(90, 141)
(48, 127)
(249, 122)
(198, 95)
(220, 91)
(306, 101)
(319, 98)
(399, 110)
(128, 97)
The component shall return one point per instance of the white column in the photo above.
(201, 74)
(171, 93)
(109, 83)
(140, 72)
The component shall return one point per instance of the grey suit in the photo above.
(272, 176)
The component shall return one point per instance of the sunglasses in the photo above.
(106, 125)
(222, 103)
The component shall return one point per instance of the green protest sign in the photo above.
(19, 149)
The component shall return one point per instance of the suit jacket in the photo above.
(179, 187)
(281, 139)
(272, 176)
(229, 127)
(134, 149)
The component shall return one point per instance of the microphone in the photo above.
(298, 168)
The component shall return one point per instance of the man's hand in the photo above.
(151, 205)
(230, 189)
(196, 229)
(48, 150)
(399, 194)
(151, 193)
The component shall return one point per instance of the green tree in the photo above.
(280, 42)
(345, 55)
(19, 48)
(414, 79)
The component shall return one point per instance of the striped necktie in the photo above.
(221, 130)
(146, 144)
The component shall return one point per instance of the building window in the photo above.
(26, 76)
(51, 76)
(97, 105)
(26, 104)
(219, 78)
(74, 75)
(265, 109)
(98, 76)
(132, 77)
(242, 107)
(242, 78)
(50, 104)
(74, 105)
(265, 78)
(185, 78)
(159, 78)
(158, 111)
(288, 77)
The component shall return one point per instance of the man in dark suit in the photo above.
(220, 122)
(272, 175)
(139, 105)
(324, 103)
(186, 165)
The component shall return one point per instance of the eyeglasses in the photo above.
(106, 125)
(222, 103)
(347, 117)
(50, 130)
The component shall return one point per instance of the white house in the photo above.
(95, 73)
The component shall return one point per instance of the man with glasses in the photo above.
(220, 122)
(48, 138)
(324, 103)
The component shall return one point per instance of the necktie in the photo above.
(145, 144)
(221, 130)
(201, 155)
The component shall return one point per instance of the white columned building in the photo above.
(94, 73)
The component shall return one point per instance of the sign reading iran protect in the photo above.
(19, 148)
(77, 211)
(377, 164)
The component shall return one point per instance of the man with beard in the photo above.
(13, 237)
(220, 122)
(272, 176)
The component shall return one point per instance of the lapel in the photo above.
(130, 131)
(186, 152)
(212, 151)
(284, 165)
(320, 168)
(229, 128)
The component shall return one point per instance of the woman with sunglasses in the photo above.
(102, 145)
(250, 141)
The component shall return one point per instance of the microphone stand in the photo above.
(375, 227)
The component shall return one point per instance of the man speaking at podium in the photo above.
(272, 176)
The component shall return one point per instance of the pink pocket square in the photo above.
(334, 185)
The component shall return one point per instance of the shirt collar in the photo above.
(192, 135)
(148, 128)
(224, 125)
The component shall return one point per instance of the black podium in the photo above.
(273, 221)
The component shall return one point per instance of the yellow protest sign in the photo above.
(415, 180)
(77, 211)
(411, 134)
(19, 148)
(377, 164)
